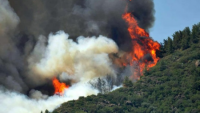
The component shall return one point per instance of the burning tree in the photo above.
(143, 47)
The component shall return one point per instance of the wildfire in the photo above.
(141, 46)
(59, 87)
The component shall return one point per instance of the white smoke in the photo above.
(81, 61)
(116, 87)
(12, 102)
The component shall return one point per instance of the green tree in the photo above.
(186, 38)
(169, 48)
(46, 111)
(165, 44)
(161, 52)
(127, 82)
(177, 36)
(195, 33)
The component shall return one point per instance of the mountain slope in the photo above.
(173, 85)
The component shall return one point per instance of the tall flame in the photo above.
(141, 46)
(59, 87)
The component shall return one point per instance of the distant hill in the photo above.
(172, 86)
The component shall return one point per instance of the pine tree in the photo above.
(161, 52)
(186, 38)
(169, 48)
(165, 45)
(195, 33)
(177, 36)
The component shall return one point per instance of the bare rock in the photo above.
(129, 103)
(111, 105)
(197, 63)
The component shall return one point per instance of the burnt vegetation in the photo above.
(173, 85)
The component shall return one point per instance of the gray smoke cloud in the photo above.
(23, 21)
(30, 58)
(11, 61)
(82, 17)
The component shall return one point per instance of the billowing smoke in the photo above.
(13, 102)
(11, 61)
(80, 61)
(19, 34)
(43, 39)
(82, 17)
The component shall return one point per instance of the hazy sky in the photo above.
(174, 15)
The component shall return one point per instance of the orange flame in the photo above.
(141, 46)
(59, 87)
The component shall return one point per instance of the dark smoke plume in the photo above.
(82, 17)
(76, 17)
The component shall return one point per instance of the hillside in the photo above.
(173, 85)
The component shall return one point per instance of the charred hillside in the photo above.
(173, 85)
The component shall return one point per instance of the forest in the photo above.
(172, 86)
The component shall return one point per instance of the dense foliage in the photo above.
(172, 86)
(181, 40)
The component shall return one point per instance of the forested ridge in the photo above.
(172, 86)
(181, 40)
